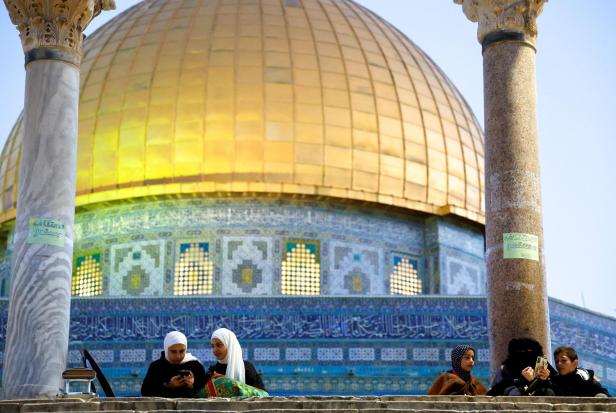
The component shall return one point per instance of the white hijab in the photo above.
(173, 338)
(234, 360)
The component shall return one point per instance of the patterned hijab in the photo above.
(456, 361)
(234, 360)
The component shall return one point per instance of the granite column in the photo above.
(517, 296)
(39, 305)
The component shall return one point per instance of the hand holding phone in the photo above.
(540, 366)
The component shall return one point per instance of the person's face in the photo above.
(468, 361)
(565, 365)
(176, 353)
(219, 349)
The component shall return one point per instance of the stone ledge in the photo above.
(324, 404)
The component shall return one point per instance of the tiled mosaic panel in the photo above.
(247, 267)
(355, 269)
(404, 277)
(194, 269)
(137, 268)
(87, 279)
(462, 277)
(301, 267)
(264, 213)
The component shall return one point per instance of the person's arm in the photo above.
(253, 378)
(200, 376)
(597, 389)
(152, 383)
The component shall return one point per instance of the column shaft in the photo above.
(38, 323)
(517, 297)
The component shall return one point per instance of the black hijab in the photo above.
(522, 353)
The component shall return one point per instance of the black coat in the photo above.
(581, 383)
(253, 378)
(161, 371)
(506, 379)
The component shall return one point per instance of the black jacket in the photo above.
(161, 371)
(505, 380)
(581, 383)
(253, 378)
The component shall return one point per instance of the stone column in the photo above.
(517, 297)
(38, 322)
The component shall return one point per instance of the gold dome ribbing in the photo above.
(313, 97)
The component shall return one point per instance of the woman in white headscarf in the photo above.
(177, 373)
(230, 362)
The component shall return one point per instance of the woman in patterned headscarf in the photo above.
(228, 352)
(459, 379)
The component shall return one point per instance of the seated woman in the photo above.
(573, 381)
(459, 379)
(177, 373)
(228, 352)
(516, 377)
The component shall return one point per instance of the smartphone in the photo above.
(184, 373)
(540, 364)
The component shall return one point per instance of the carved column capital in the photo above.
(504, 16)
(56, 24)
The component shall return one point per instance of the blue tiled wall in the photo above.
(319, 345)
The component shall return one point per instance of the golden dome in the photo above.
(309, 97)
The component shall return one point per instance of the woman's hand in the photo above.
(188, 380)
(544, 373)
(529, 374)
(175, 382)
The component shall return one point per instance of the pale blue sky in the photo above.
(576, 81)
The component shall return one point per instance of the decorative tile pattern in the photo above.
(355, 269)
(426, 354)
(204, 355)
(102, 356)
(266, 354)
(404, 279)
(132, 356)
(330, 354)
(74, 357)
(87, 279)
(461, 278)
(483, 354)
(394, 354)
(301, 268)
(193, 270)
(247, 267)
(611, 374)
(361, 354)
(298, 354)
(137, 268)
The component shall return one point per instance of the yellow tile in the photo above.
(308, 133)
(278, 151)
(306, 153)
(337, 117)
(338, 136)
(365, 161)
(279, 131)
(364, 181)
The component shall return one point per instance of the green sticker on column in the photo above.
(520, 245)
(46, 231)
